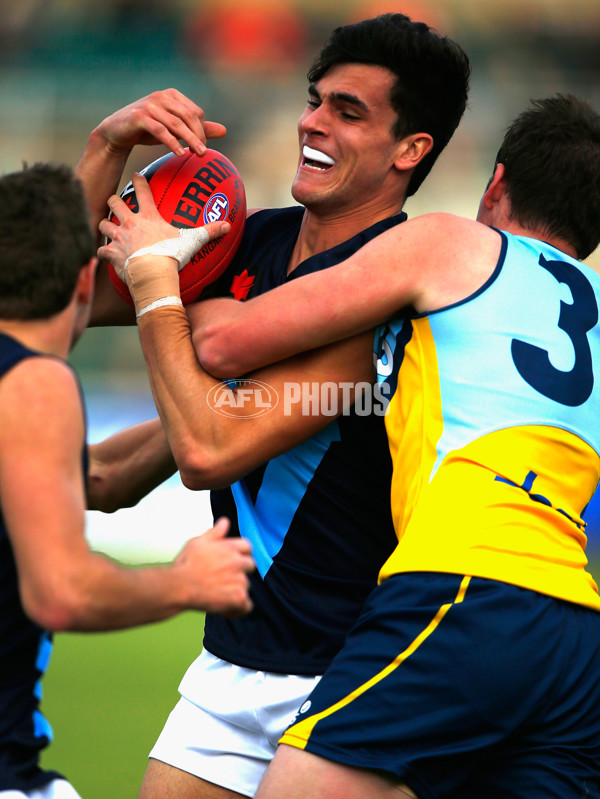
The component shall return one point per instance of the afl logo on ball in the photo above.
(216, 209)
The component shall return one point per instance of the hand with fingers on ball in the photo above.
(147, 253)
(189, 192)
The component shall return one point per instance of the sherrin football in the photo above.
(190, 191)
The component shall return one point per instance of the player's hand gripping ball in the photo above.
(190, 191)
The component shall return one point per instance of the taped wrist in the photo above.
(151, 278)
(188, 243)
(150, 271)
(161, 303)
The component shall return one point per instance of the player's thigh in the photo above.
(296, 774)
(162, 781)
(226, 733)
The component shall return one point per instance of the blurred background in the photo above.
(64, 66)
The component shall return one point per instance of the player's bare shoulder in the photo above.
(442, 231)
(41, 394)
(454, 255)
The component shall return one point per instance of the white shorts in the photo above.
(57, 789)
(226, 726)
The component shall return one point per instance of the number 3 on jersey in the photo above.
(533, 363)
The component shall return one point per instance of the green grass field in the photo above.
(107, 696)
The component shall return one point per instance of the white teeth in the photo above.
(316, 155)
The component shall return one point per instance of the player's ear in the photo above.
(84, 289)
(411, 150)
(495, 188)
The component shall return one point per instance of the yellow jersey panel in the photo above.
(414, 427)
(490, 514)
(493, 423)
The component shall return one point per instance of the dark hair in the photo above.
(45, 239)
(432, 76)
(551, 158)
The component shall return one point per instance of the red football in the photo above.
(190, 191)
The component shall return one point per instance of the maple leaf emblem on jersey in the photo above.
(241, 285)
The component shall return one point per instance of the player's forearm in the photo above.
(180, 387)
(102, 595)
(234, 338)
(100, 169)
(66, 587)
(219, 328)
(311, 311)
(212, 449)
(127, 466)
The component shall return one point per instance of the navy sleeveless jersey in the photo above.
(318, 516)
(24, 654)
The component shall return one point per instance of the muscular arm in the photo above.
(163, 117)
(63, 585)
(421, 264)
(213, 448)
(128, 465)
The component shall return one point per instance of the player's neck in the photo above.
(554, 241)
(318, 233)
(50, 336)
(499, 215)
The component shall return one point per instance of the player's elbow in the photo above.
(51, 610)
(203, 467)
(196, 479)
(104, 484)
(106, 496)
(116, 498)
(200, 475)
(217, 352)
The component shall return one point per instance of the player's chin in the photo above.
(309, 192)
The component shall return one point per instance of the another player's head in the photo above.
(432, 76)
(45, 240)
(551, 159)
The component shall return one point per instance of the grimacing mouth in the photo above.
(315, 159)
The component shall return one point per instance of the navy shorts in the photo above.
(464, 688)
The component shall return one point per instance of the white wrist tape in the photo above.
(187, 244)
(158, 304)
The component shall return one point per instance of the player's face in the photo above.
(347, 146)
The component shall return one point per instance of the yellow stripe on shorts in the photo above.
(298, 734)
